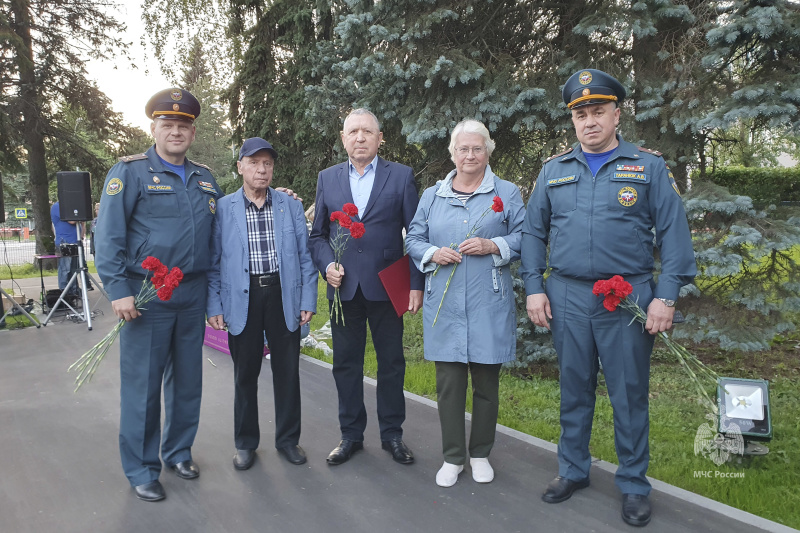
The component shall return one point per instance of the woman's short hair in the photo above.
(470, 126)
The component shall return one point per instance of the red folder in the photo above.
(397, 282)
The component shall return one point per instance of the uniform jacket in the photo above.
(390, 208)
(477, 322)
(229, 277)
(148, 211)
(602, 226)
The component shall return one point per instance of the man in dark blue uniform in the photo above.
(163, 205)
(596, 206)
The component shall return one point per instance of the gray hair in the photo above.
(470, 126)
(362, 111)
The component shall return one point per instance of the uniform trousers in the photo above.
(585, 334)
(349, 343)
(163, 345)
(265, 317)
(451, 389)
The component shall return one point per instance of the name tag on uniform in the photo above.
(160, 188)
(630, 168)
(561, 181)
(207, 187)
(630, 176)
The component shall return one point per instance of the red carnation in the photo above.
(151, 263)
(350, 209)
(176, 274)
(357, 230)
(164, 293)
(615, 290)
(341, 218)
(158, 281)
(497, 204)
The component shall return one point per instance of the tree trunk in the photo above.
(32, 131)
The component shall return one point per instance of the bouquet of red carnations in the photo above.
(339, 244)
(161, 285)
(617, 292)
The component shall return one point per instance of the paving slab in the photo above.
(61, 471)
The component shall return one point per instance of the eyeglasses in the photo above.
(476, 150)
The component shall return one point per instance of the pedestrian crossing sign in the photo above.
(21, 212)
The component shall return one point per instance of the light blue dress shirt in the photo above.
(361, 186)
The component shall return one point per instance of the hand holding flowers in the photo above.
(617, 292)
(339, 244)
(470, 246)
(161, 285)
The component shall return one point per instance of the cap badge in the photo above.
(175, 107)
(585, 78)
(176, 95)
(156, 180)
(586, 92)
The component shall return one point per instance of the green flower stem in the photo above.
(87, 364)
(447, 286)
(472, 232)
(691, 364)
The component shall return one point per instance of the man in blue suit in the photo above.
(261, 265)
(386, 197)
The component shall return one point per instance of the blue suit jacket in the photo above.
(391, 207)
(229, 278)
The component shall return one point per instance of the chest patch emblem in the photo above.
(212, 206)
(627, 196)
(114, 187)
(630, 168)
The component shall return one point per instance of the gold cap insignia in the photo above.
(586, 92)
(585, 78)
(176, 95)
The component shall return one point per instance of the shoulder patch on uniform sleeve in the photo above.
(568, 150)
(134, 157)
(195, 163)
(649, 151)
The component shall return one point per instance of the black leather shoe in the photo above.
(636, 509)
(343, 451)
(399, 450)
(186, 469)
(294, 454)
(244, 459)
(561, 488)
(150, 492)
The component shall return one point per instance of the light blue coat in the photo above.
(229, 278)
(477, 322)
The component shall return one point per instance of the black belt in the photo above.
(266, 280)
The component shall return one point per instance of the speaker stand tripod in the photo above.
(15, 305)
(83, 273)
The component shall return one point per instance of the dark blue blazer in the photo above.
(390, 209)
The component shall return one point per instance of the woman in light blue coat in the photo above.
(462, 234)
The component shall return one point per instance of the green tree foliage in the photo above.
(212, 145)
(267, 97)
(43, 45)
(748, 288)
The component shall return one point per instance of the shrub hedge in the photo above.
(764, 185)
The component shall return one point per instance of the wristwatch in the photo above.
(668, 303)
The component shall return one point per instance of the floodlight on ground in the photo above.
(744, 408)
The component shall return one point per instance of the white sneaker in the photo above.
(482, 471)
(448, 474)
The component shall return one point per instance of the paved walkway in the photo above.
(60, 464)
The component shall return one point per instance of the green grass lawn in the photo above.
(32, 271)
(531, 405)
